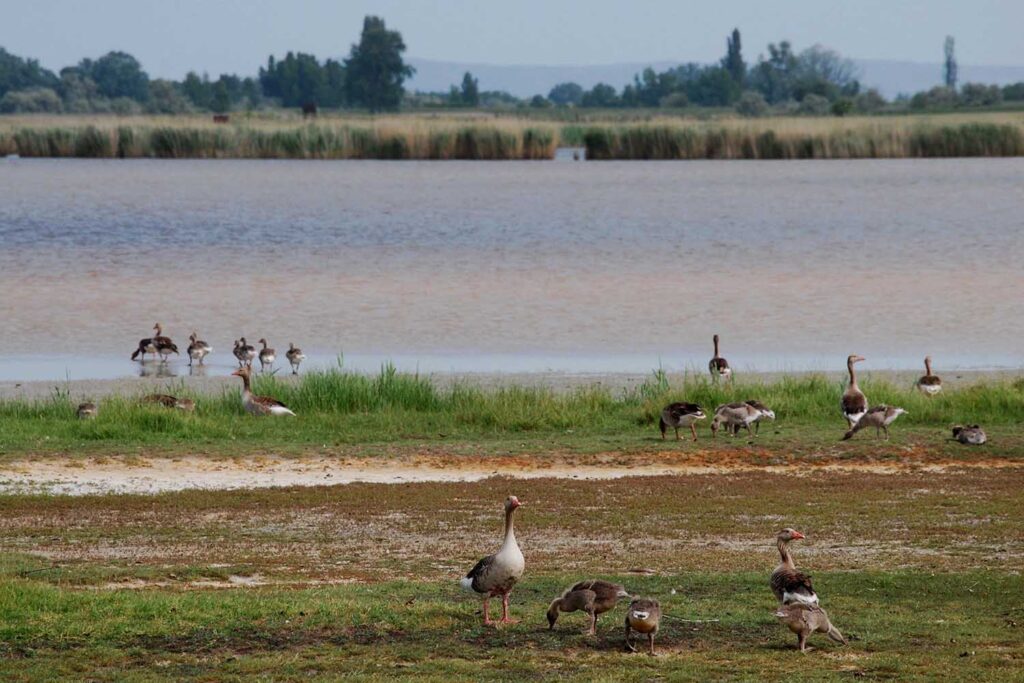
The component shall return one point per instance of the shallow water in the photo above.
(513, 266)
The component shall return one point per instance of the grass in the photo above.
(920, 570)
(487, 136)
(338, 409)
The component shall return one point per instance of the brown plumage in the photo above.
(929, 384)
(643, 616)
(789, 585)
(804, 620)
(168, 401)
(295, 357)
(87, 411)
(496, 575)
(678, 415)
(718, 366)
(258, 405)
(854, 402)
(734, 416)
(879, 417)
(267, 356)
(971, 435)
(145, 346)
(594, 597)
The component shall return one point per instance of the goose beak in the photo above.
(797, 535)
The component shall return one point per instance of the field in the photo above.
(495, 136)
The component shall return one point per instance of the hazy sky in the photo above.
(171, 37)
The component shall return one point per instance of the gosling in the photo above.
(879, 417)
(594, 597)
(803, 620)
(643, 616)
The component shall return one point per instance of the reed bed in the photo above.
(489, 137)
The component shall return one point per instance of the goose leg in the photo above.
(693, 430)
(487, 615)
(592, 631)
(886, 430)
(802, 642)
(504, 610)
(677, 434)
(629, 645)
(650, 642)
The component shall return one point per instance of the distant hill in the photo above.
(890, 77)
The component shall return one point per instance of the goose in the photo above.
(259, 405)
(145, 346)
(854, 402)
(929, 384)
(168, 401)
(593, 597)
(678, 415)
(719, 366)
(244, 352)
(159, 337)
(496, 574)
(165, 348)
(971, 435)
(267, 356)
(643, 616)
(87, 410)
(734, 416)
(879, 417)
(198, 349)
(295, 356)
(803, 621)
(790, 585)
(766, 413)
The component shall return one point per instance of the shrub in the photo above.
(31, 101)
(752, 104)
(814, 105)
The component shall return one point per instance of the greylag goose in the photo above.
(259, 405)
(267, 356)
(244, 352)
(734, 416)
(719, 366)
(854, 402)
(803, 621)
(790, 585)
(145, 346)
(295, 356)
(643, 616)
(496, 574)
(593, 597)
(766, 413)
(198, 349)
(168, 401)
(87, 410)
(165, 349)
(678, 415)
(879, 417)
(971, 435)
(929, 384)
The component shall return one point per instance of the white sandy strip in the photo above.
(158, 475)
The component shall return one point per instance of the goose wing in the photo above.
(792, 586)
(854, 403)
(476, 579)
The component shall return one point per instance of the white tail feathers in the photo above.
(640, 615)
(800, 599)
(467, 584)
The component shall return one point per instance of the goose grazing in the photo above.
(643, 616)
(259, 405)
(168, 401)
(244, 352)
(854, 402)
(790, 585)
(803, 621)
(267, 356)
(678, 415)
(295, 356)
(971, 435)
(496, 574)
(766, 413)
(145, 346)
(593, 597)
(719, 366)
(198, 349)
(87, 411)
(879, 417)
(929, 384)
(734, 416)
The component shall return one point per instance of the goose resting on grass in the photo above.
(168, 401)
(593, 597)
(879, 417)
(496, 574)
(87, 411)
(643, 616)
(259, 405)
(678, 415)
(971, 435)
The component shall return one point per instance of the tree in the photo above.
(539, 102)
(601, 95)
(773, 77)
(197, 89)
(166, 97)
(117, 74)
(733, 60)
(565, 94)
(374, 69)
(18, 74)
(824, 72)
(470, 93)
(31, 101)
(751, 104)
(949, 70)
(221, 100)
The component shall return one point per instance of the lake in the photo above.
(514, 266)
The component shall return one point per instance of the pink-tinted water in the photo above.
(609, 266)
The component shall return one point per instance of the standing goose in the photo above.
(145, 346)
(790, 585)
(719, 366)
(854, 402)
(244, 352)
(766, 413)
(496, 574)
(678, 415)
(295, 356)
(163, 344)
(593, 597)
(259, 405)
(198, 349)
(643, 616)
(879, 417)
(734, 416)
(929, 384)
(267, 356)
